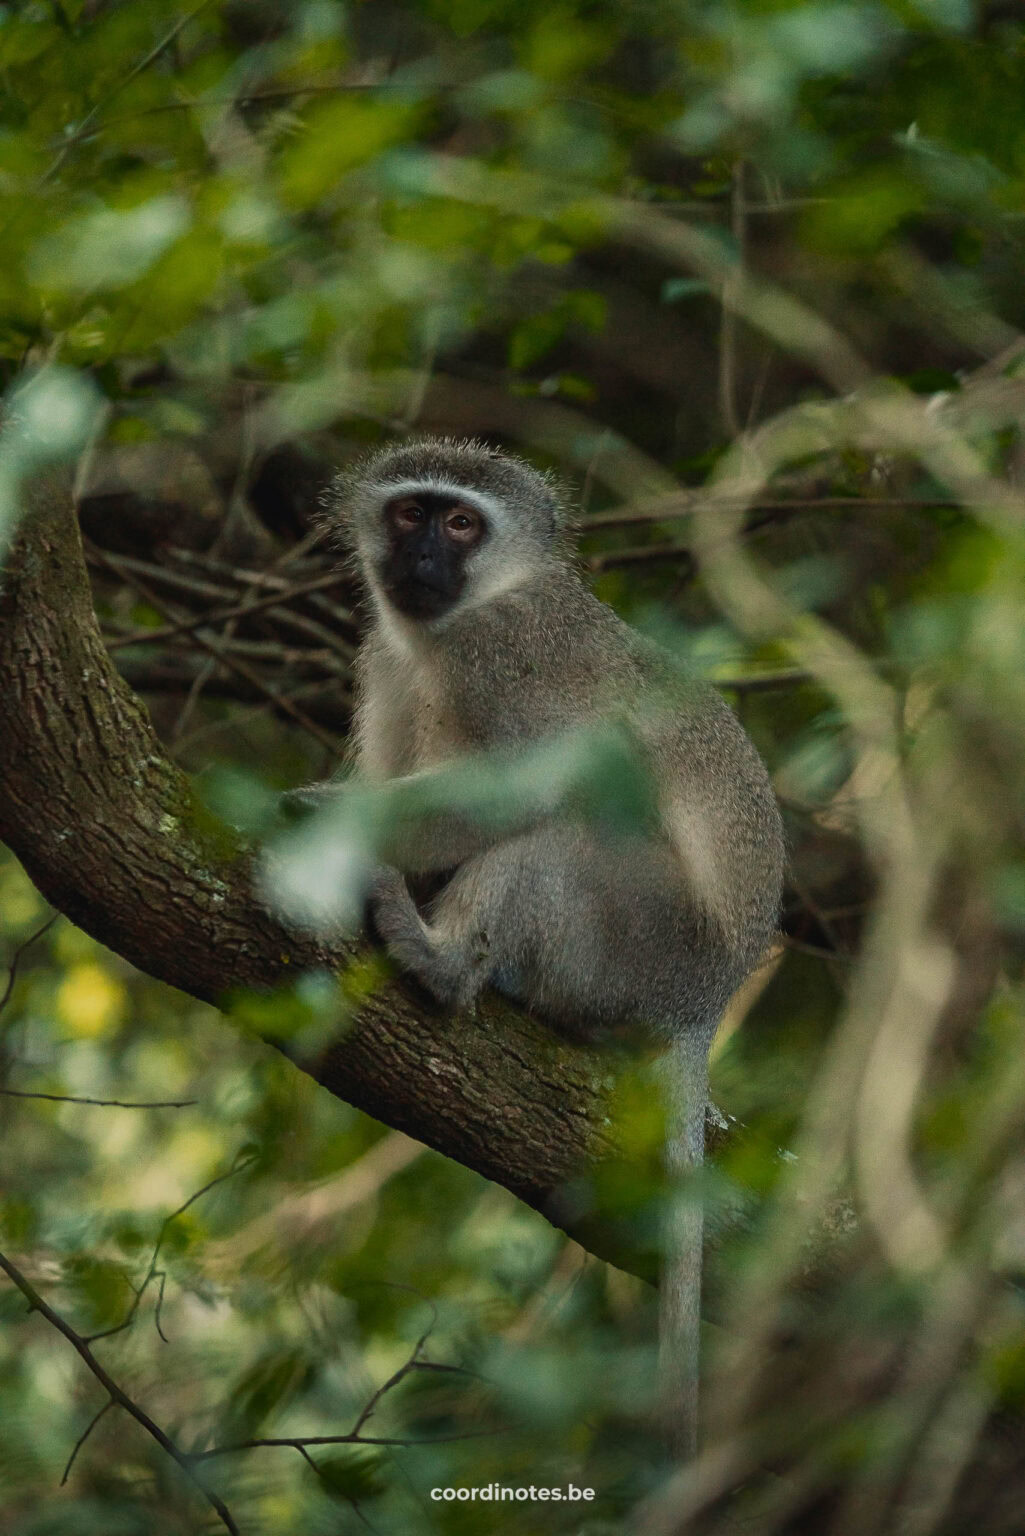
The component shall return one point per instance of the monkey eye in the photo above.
(463, 524)
(406, 512)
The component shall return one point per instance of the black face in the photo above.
(429, 538)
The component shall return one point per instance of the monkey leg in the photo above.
(453, 966)
(591, 933)
(482, 927)
(599, 935)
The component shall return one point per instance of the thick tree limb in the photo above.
(112, 834)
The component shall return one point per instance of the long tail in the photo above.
(684, 1073)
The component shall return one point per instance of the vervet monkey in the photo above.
(485, 640)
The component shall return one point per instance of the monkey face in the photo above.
(428, 540)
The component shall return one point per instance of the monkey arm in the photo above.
(439, 817)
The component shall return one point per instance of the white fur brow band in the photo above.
(479, 499)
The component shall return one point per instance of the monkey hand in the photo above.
(311, 797)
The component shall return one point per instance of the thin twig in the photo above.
(276, 650)
(353, 1503)
(123, 567)
(158, 1310)
(763, 682)
(229, 626)
(647, 554)
(240, 610)
(74, 1098)
(370, 1407)
(355, 1435)
(237, 721)
(342, 617)
(144, 63)
(264, 578)
(83, 1437)
(245, 99)
(685, 502)
(296, 1442)
(116, 1393)
(819, 951)
(152, 1272)
(12, 969)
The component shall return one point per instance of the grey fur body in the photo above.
(600, 930)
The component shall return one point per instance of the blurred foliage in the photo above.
(241, 241)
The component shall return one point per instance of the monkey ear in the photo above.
(566, 515)
(334, 517)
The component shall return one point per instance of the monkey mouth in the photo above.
(421, 599)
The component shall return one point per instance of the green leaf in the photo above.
(354, 1475)
(337, 136)
(269, 1385)
(676, 288)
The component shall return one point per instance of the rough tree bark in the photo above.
(111, 833)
